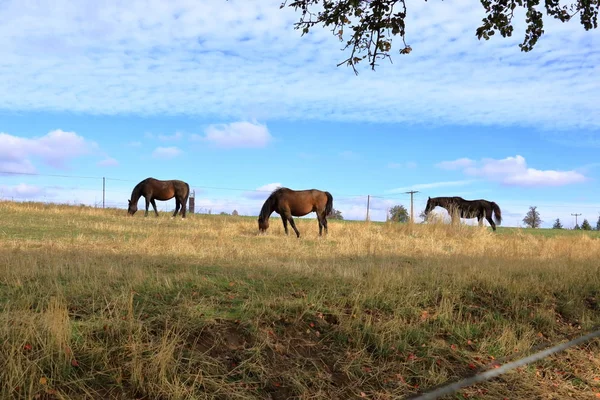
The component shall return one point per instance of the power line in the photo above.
(339, 196)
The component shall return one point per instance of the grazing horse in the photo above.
(155, 189)
(467, 208)
(287, 203)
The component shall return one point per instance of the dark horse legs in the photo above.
(491, 221)
(322, 224)
(148, 206)
(177, 205)
(284, 220)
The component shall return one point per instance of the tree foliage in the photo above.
(598, 224)
(398, 213)
(532, 218)
(557, 224)
(372, 24)
(235, 213)
(585, 225)
(335, 214)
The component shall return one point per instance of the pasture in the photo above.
(95, 304)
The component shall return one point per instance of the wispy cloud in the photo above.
(514, 171)
(262, 192)
(55, 149)
(402, 165)
(108, 162)
(85, 66)
(456, 164)
(166, 152)
(236, 135)
(432, 185)
(22, 191)
(170, 138)
(134, 143)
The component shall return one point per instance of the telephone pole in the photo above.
(368, 204)
(412, 214)
(576, 215)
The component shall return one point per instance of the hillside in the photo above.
(99, 305)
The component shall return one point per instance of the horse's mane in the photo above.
(136, 192)
(267, 207)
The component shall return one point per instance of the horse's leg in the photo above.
(294, 226)
(183, 204)
(491, 221)
(153, 206)
(325, 224)
(480, 220)
(147, 206)
(284, 221)
(177, 204)
(320, 224)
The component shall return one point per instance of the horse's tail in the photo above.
(187, 186)
(497, 213)
(329, 205)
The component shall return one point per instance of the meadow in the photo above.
(98, 305)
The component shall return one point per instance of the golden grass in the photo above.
(98, 305)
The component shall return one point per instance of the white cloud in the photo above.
(54, 149)
(456, 164)
(166, 152)
(514, 171)
(432, 185)
(403, 165)
(262, 192)
(79, 57)
(108, 162)
(22, 191)
(134, 144)
(236, 135)
(169, 138)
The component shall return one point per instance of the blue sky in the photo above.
(230, 98)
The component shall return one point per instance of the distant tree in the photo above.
(598, 224)
(223, 213)
(532, 218)
(576, 227)
(398, 213)
(422, 215)
(557, 224)
(585, 225)
(335, 214)
(235, 213)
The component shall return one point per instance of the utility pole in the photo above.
(576, 215)
(103, 191)
(412, 214)
(368, 203)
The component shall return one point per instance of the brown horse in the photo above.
(155, 189)
(287, 203)
(457, 206)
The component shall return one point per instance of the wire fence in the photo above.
(451, 388)
(110, 192)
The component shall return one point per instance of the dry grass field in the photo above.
(96, 305)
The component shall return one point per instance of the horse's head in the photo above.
(132, 208)
(263, 224)
(430, 206)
